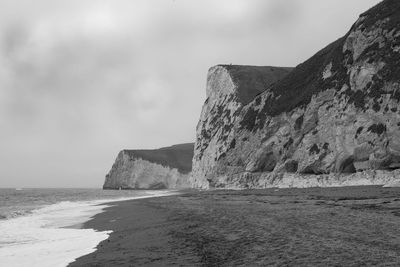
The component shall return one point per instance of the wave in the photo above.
(9, 214)
(50, 236)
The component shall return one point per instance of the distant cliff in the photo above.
(167, 167)
(333, 120)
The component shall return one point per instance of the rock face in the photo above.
(229, 89)
(167, 167)
(333, 120)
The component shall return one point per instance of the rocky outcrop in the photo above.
(229, 89)
(333, 120)
(162, 168)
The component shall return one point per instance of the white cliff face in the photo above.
(154, 169)
(226, 95)
(334, 120)
(220, 108)
(136, 173)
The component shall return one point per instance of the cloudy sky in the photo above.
(82, 79)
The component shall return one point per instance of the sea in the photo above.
(44, 227)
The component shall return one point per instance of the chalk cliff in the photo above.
(229, 89)
(333, 120)
(167, 167)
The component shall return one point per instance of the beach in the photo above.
(347, 226)
(43, 227)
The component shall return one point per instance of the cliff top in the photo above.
(176, 156)
(307, 79)
(253, 80)
(385, 9)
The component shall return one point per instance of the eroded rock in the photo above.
(335, 116)
(162, 168)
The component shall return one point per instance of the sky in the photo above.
(82, 79)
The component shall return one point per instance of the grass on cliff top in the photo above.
(253, 80)
(385, 9)
(177, 156)
(297, 88)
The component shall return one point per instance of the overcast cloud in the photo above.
(81, 80)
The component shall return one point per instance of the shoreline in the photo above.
(50, 235)
(297, 227)
(101, 206)
(53, 234)
(140, 223)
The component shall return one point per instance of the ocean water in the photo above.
(42, 227)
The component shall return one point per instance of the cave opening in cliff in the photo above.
(347, 166)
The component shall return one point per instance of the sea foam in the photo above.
(50, 236)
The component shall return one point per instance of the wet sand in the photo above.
(349, 226)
